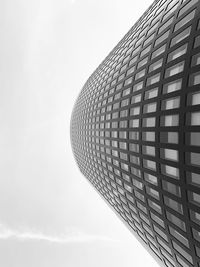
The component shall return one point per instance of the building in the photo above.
(135, 131)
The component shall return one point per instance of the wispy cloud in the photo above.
(71, 237)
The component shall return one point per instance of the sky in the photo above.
(50, 216)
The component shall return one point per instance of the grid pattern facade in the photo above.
(135, 130)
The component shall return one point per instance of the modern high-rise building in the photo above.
(135, 131)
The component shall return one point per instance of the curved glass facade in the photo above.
(135, 130)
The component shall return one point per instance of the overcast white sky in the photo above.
(50, 216)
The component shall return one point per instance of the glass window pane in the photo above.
(170, 171)
(150, 178)
(150, 191)
(151, 93)
(148, 108)
(158, 51)
(172, 86)
(194, 158)
(194, 197)
(165, 25)
(179, 236)
(140, 74)
(176, 221)
(148, 136)
(148, 150)
(162, 38)
(170, 154)
(194, 79)
(197, 41)
(170, 120)
(179, 37)
(155, 206)
(177, 53)
(169, 137)
(171, 188)
(156, 65)
(149, 122)
(174, 69)
(187, 6)
(173, 204)
(195, 118)
(145, 51)
(142, 62)
(136, 99)
(193, 178)
(153, 79)
(170, 103)
(138, 86)
(185, 20)
(195, 60)
(182, 252)
(135, 111)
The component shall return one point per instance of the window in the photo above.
(135, 111)
(195, 60)
(157, 219)
(195, 118)
(194, 198)
(148, 150)
(186, 7)
(170, 103)
(185, 20)
(193, 178)
(162, 38)
(152, 192)
(194, 79)
(149, 39)
(177, 53)
(134, 123)
(149, 122)
(179, 236)
(156, 65)
(150, 178)
(196, 234)
(172, 86)
(169, 154)
(176, 221)
(174, 69)
(179, 37)
(182, 252)
(134, 135)
(170, 171)
(136, 99)
(171, 188)
(148, 108)
(148, 136)
(151, 93)
(193, 98)
(195, 216)
(138, 86)
(197, 41)
(158, 231)
(154, 206)
(170, 120)
(149, 164)
(165, 25)
(153, 79)
(142, 62)
(194, 158)
(158, 51)
(173, 204)
(140, 74)
(145, 51)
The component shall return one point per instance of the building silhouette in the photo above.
(135, 131)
